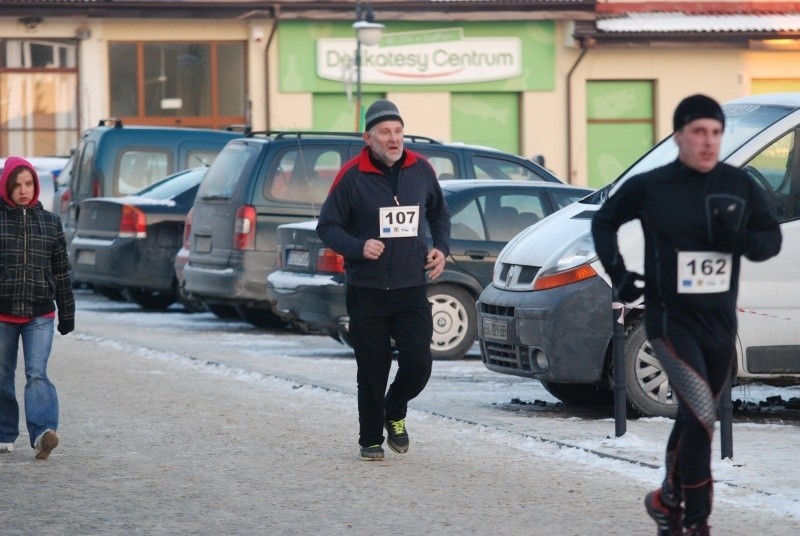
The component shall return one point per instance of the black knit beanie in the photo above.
(697, 107)
(381, 110)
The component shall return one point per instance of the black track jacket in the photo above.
(671, 203)
(349, 217)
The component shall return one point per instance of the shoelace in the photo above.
(398, 427)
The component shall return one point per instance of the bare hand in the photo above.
(436, 261)
(373, 249)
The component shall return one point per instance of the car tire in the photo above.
(455, 321)
(152, 300)
(580, 394)
(111, 293)
(224, 312)
(260, 318)
(646, 382)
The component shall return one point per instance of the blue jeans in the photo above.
(41, 401)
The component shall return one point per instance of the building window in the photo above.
(620, 126)
(38, 97)
(187, 84)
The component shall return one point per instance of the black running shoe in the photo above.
(372, 453)
(668, 519)
(398, 437)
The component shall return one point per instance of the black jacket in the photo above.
(672, 202)
(34, 270)
(349, 217)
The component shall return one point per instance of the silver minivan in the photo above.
(556, 325)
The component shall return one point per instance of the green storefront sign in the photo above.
(465, 57)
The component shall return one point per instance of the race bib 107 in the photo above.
(397, 222)
(704, 272)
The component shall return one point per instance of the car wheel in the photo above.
(225, 312)
(113, 294)
(152, 300)
(455, 321)
(260, 318)
(647, 385)
(580, 394)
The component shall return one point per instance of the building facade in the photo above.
(588, 85)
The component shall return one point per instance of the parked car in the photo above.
(115, 160)
(129, 243)
(48, 168)
(555, 325)
(267, 179)
(309, 285)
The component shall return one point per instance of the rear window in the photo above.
(200, 157)
(137, 168)
(226, 171)
(303, 175)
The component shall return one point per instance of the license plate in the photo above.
(297, 258)
(86, 256)
(202, 244)
(495, 329)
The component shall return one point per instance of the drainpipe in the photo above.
(276, 12)
(584, 49)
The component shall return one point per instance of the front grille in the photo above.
(516, 276)
(527, 274)
(506, 356)
(504, 272)
(498, 310)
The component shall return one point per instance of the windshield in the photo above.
(742, 123)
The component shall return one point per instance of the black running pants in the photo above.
(699, 367)
(376, 318)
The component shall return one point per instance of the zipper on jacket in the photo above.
(24, 245)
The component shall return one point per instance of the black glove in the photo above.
(627, 291)
(66, 326)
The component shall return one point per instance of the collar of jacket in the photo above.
(365, 164)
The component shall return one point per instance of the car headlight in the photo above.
(571, 265)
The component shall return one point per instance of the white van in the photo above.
(547, 314)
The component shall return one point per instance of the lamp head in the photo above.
(368, 33)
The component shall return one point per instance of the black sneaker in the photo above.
(372, 453)
(398, 437)
(668, 519)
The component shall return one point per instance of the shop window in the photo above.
(187, 84)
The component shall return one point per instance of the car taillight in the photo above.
(187, 229)
(330, 262)
(66, 197)
(97, 191)
(132, 223)
(244, 229)
(573, 275)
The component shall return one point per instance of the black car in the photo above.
(129, 243)
(272, 178)
(308, 288)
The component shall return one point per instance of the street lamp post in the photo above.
(368, 33)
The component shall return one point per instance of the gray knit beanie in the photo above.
(379, 111)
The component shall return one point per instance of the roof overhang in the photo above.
(678, 29)
(419, 10)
